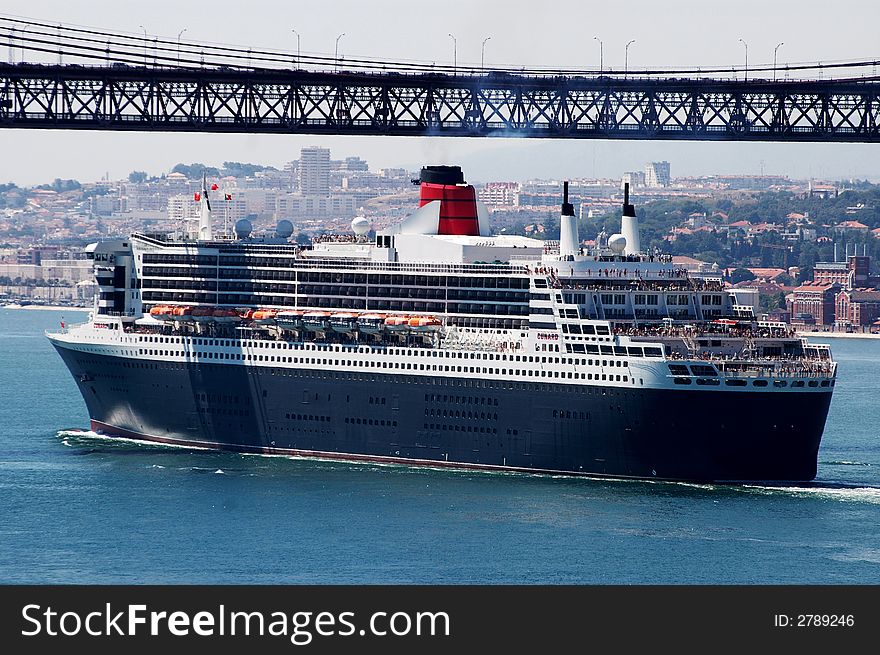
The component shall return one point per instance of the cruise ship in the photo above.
(436, 343)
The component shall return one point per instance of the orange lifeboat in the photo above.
(183, 314)
(246, 314)
(316, 321)
(222, 315)
(264, 316)
(162, 313)
(344, 322)
(397, 323)
(203, 314)
(424, 324)
(371, 323)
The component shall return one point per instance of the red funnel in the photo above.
(458, 201)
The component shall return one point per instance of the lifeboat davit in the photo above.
(203, 314)
(289, 319)
(226, 315)
(316, 321)
(183, 314)
(397, 323)
(371, 323)
(264, 316)
(344, 323)
(162, 313)
(424, 324)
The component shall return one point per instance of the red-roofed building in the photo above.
(851, 227)
(812, 303)
(855, 272)
(762, 228)
(766, 274)
(857, 307)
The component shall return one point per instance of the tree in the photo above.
(137, 177)
(741, 275)
(59, 185)
(238, 169)
(770, 302)
(195, 171)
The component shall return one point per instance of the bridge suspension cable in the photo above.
(93, 46)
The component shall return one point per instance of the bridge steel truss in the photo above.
(499, 105)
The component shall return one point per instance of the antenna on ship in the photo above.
(205, 232)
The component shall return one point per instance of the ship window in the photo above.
(759, 383)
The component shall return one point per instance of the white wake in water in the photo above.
(841, 493)
(74, 438)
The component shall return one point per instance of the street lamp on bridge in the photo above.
(601, 54)
(781, 43)
(336, 52)
(626, 57)
(746, 75)
(483, 52)
(179, 34)
(454, 54)
(145, 43)
(297, 45)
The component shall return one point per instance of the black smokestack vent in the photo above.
(567, 207)
(442, 175)
(628, 209)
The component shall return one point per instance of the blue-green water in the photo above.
(76, 510)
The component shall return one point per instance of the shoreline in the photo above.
(53, 308)
(839, 335)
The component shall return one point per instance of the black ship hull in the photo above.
(462, 423)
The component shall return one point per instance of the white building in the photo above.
(500, 194)
(295, 206)
(657, 174)
(182, 208)
(314, 171)
(633, 178)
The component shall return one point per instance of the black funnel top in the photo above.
(628, 209)
(441, 175)
(567, 207)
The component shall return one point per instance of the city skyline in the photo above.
(564, 37)
(598, 161)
